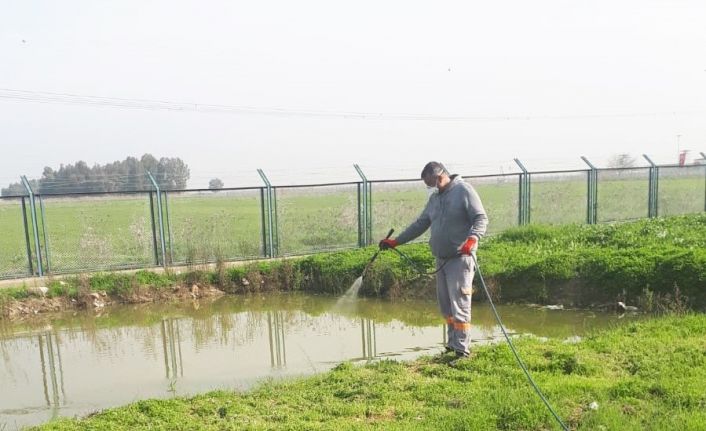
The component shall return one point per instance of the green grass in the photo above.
(646, 375)
(655, 263)
(651, 255)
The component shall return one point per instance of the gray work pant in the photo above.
(453, 291)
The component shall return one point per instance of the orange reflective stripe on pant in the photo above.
(450, 320)
(462, 326)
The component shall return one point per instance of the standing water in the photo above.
(76, 363)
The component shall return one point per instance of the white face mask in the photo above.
(433, 189)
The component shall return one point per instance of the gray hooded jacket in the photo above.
(453, 215)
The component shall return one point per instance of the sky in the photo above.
(306, 89)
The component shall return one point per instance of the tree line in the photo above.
(170, 173)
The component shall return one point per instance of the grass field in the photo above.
(113, 231)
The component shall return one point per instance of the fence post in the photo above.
(365, 211)
(524, 204)
(27, 242)
(272, 238)
(169, 228)
(263, 228)
(652, 206)
(704, 157)
(47, 249)
(160, 218)
(275, 221)
(370, 213)
(592, 199)
(359, 203)
(35, 228)
(154, 231)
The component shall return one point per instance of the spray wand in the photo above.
(375, 256)
(359, 281)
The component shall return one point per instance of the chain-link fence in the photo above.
(623, 194)
(47, 234)
(681, 190)
(558, 197)
(109, 231)
(316, 218)
(500, 196)
(396, 204)
(206, 226)
(15, 255)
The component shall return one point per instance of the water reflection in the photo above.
(367, 331)
(160, 350)
(171, 346)
(51, 366)
(275, 331)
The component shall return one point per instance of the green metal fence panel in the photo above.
(162, 257)
(153, 222)
(365, 210)
(275, 222)
(558, 197)
(500, 196)
(592, 191)
(42, 219)
(524, 186)
(92, 232)
(396, 204)
(681, 190)
(31, 199)
(360, 201)
(592, 209)
(168, 228)
(317, 218)
(623, 194)
(207, 226)
(269, 202)
(14, 261)
(263, 222)
(28, 242)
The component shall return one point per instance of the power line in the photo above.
(157, 105)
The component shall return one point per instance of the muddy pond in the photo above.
(77, 363)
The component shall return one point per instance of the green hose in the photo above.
(502, 328)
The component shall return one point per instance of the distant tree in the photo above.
(215, 184)
(172, 173)
(17, 189)
(622, 160)
(127, 175)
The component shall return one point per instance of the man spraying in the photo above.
(457, 220)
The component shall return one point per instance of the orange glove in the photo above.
(470, 243)
(387, 243)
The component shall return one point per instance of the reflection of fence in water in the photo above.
(50, 360)
(368, 336)
(171, 348)
(275, 332)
